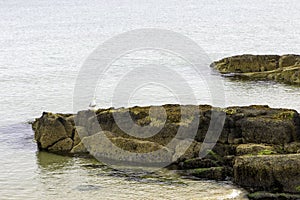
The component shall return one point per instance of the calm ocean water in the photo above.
(43, 44)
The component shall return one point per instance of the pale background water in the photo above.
(44, 43)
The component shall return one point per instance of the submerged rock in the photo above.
(284, 68)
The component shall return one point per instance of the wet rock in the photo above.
(211, 173)
(267, 130)
(134, 145)
(293, 147)
(62, 146)
(49, 130)
(274, 173)
(284, 68)
(271, 196)
(254, 149)
(79, 132)
(248, 124)
(79, 149)
(125, 149)
(289, 60)
(185, 149)
(199, 163)
(68, 124)
(248, 130)
(247, 63)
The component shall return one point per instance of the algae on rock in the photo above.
(284, 68)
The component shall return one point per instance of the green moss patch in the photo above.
(266, 152)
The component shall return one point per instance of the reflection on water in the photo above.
(65, 177)
(51, 162)
(276, 95)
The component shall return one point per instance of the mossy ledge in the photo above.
(258, 149)
(285, 68)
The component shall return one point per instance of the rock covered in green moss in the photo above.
(268, 130)
(274, 173)
(284, 68)
(63, 146)
(254, 149)
(246, 124)
(51, 129)
(248, 130)
(293, 147)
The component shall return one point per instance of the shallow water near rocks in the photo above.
(33, 175)
(43, 45)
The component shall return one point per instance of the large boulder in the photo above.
(267, 130)
(289, 60)
(49, 129)
(275, 173)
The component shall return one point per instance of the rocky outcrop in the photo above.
(258, 147)
(284, 68)
(51, 129)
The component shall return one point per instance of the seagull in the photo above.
(93, 103)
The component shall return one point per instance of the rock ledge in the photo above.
(285, 68)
